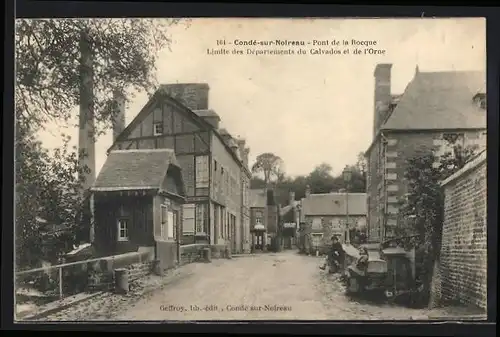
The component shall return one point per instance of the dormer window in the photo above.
(158, 129)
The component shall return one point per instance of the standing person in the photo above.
(362, 261)
(336, 253)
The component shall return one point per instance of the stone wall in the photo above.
(460, 274)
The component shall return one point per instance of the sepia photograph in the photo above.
(246, 169)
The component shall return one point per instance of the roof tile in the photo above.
(135, 169)
(334, 204)
(440, 100)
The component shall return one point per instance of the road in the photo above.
(279, 286)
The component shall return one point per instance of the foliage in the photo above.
(423, 208)
(320, 180)
(51, 212)
(48, 66)
(48, 200)
(270, 165)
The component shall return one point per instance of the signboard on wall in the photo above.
(289, 225)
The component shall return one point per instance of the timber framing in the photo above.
(160, 96)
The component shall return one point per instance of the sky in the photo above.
(307, 109)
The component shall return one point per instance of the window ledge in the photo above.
(123, 239)
(200, 234)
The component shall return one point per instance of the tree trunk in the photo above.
(86, 144)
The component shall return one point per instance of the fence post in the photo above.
(60, 283)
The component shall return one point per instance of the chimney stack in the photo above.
(245, 157)
(234, 147)
(308, 191)
(382, 95)
(209, 116)
(118, 115)
(192, 95)
(291, 198)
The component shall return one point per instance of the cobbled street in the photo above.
(269, 286)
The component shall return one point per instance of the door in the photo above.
(259, 241)
(233, 234)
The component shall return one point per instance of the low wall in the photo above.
(219, 251)
(166, 255)
(101, 273)
(460, 273)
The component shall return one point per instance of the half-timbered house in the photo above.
(214, 164)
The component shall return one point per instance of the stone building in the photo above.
(324, 215)
(435, 108)
(214, 164)
(289, 222)
(460, 274)
(264, 218)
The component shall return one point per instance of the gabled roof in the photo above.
(258, 198)
(440, 100)
(334, 204)
(136, 170)
(206, 113)
(196, 116)
(285, 209)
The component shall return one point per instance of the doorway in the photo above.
(259, 241)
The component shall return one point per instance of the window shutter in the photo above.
(188, 218)
(170, 225)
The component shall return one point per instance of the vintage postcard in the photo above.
(250, 169)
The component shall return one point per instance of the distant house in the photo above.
(436, 107)
(264, 218)
(258, 220)
(327, 214)
(289, 221)
(214, 164)
(137, 199)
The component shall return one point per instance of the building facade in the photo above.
(136, 202)
(289, 222)
(436, 110)
(213, 165)
(264, 218)
(328, 214)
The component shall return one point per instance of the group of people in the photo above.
(336, 255)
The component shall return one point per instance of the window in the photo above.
(316, 223)
(316, 239)
(201, 219)
(188, 218)
(122, 229)
(202, 172)
(221, 222)
(258, 218)
(157, 129)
